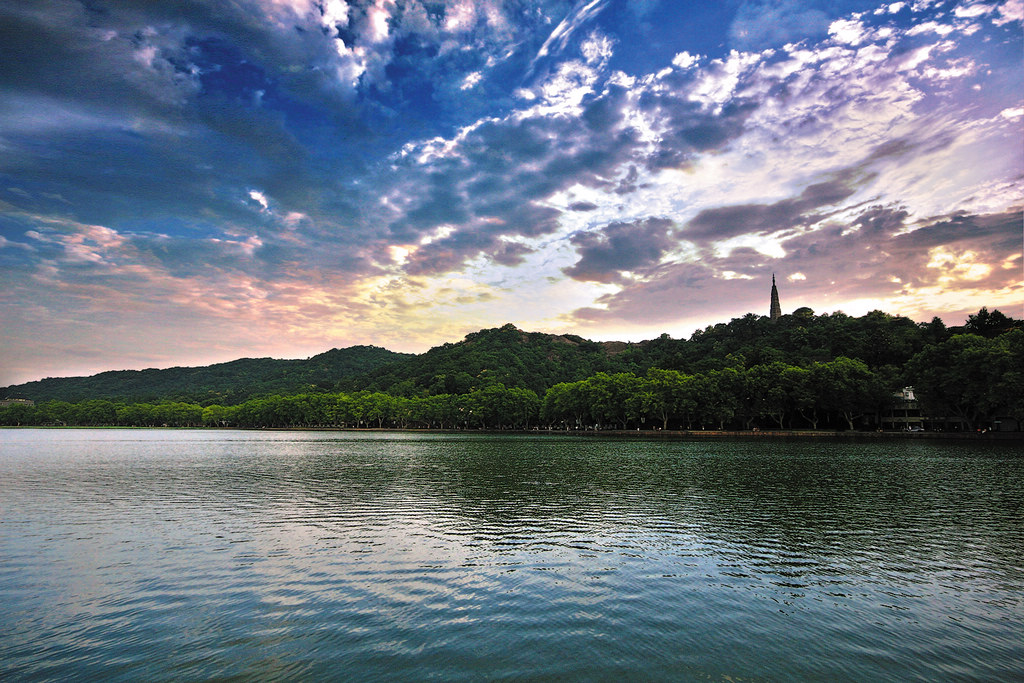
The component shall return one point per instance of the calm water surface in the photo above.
(193, 555)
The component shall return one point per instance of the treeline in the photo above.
(496, 407)
(226, 383)
(532, 360)
(968, 377)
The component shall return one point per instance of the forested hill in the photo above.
(535, 361)
(531, 360)
(223, 383)
(504, 355)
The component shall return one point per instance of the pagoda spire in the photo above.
(776, 310)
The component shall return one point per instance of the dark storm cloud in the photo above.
(620, 248)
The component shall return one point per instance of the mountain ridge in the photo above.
(536, 361)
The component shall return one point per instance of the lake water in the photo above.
(194, 555)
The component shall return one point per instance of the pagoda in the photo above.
(776, 310)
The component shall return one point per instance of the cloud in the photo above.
(882, 257)
(761, 219)
(620, 248)
(558, 39)
(771, 23)
(316, 166)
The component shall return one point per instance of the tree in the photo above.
(1011, 386)
(992, 324)
(966, 375)
(803, 395)
(765, 383)
(377, 407)
(609, 396)
(718, 395)
(217, 416)
(934, 331)
(666, 392)
(852, 389)
(566, 403)
(18, 414)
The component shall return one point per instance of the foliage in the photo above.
(802, 370)
(223, 383)
(505, 355)
(972, 377)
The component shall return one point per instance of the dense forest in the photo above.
(800, 371)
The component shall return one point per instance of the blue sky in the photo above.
(191, 182)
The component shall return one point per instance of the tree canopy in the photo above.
(800, 370)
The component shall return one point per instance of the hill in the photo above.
(532, 360)
(505, 355)
(223, 383)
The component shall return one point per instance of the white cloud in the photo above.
(718, 82)
(460, 16)
(377, 22)
(931, 27)
(334, 13)
(471, 80)
(559, 38)
(597, 49)
(1009, 11)
(259, 198)
(848, 31)
(684, 60)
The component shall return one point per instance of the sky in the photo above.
(184, 183)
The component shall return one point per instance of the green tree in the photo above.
(992, 324)
(966, 376)
(719, 393)
(667, 391)
(566, 403)
(767, 384)
(609, 396)
(804, 392)
(18, 414)
(851, 389)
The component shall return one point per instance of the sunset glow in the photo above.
(188, 184)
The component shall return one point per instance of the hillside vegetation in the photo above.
(802, 370)
(224, 383)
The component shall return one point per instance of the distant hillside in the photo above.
(506, 355)
(533, 360)
(223, 383)
(537, 361)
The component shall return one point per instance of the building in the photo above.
(776, 309)
(16, 402)
(904, 412)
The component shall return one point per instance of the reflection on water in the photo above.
(173, 554)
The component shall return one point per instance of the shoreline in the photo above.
(652, 434)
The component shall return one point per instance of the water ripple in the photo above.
(216, 555)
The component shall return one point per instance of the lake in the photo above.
(167, 555)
